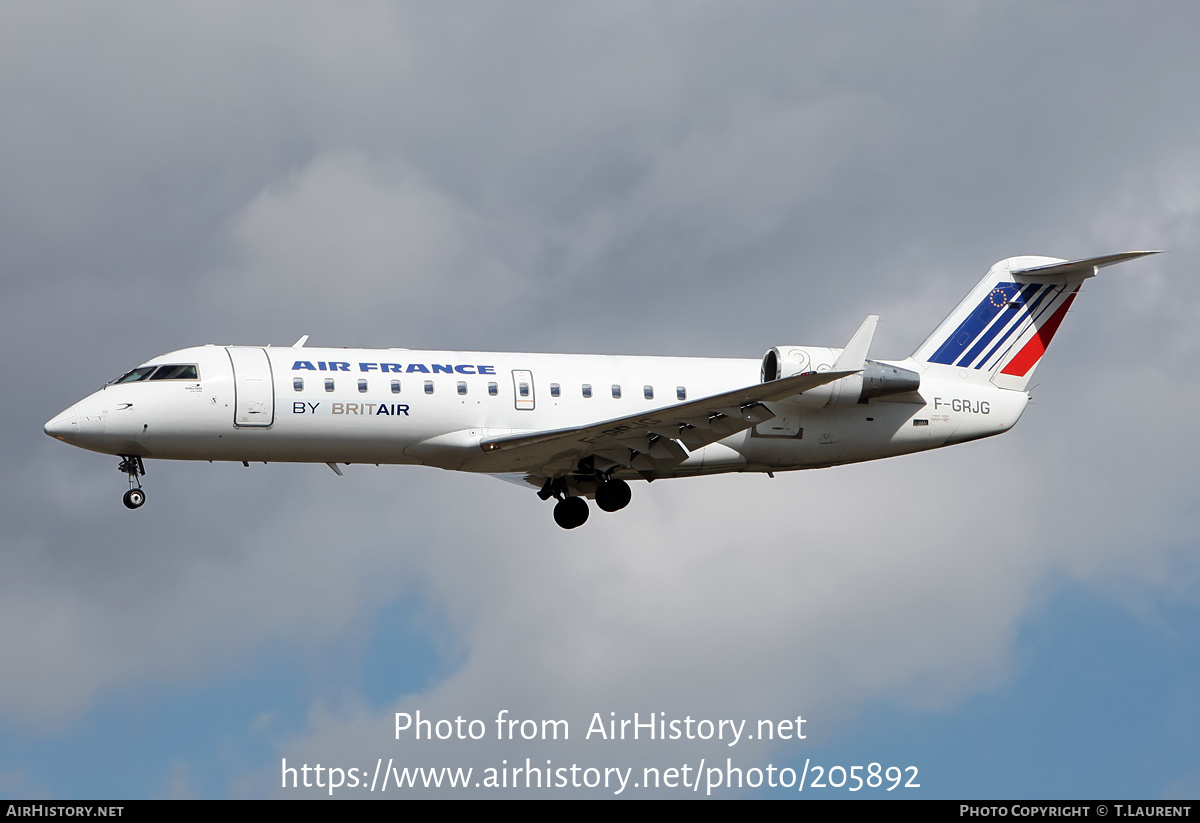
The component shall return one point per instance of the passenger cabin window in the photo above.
(648, 392)
(587, 389)
(362, 386)
(429, 387)
(298, 383)
(395, 387)
(616, 391)
(462, 387)
(681, 393)
(328, 384)
(493, 389)
(554, 390)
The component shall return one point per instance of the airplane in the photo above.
(579, 427)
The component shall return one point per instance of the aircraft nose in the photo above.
(63, 425)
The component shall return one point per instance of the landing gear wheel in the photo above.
(613, 495)
(132, 466)
(571, 512)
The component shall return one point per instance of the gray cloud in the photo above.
(682, 178)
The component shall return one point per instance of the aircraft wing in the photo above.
(643, 441)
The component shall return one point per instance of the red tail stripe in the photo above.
(1032, 352)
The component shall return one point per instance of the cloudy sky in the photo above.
(1017, 617)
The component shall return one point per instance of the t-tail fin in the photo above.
(1002, 328)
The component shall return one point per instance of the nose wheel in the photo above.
(132, 466)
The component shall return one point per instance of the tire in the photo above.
(134, 498)
(571, 513)
(613, 495)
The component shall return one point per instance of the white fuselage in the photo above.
(435, 408)
(579, 427)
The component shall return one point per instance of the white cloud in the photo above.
(354, 243)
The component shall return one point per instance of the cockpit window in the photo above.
(135, 375)
(176, 373)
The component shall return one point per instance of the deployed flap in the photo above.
(1079, 269)
(695, 423)
(522, 479)
(855, 353)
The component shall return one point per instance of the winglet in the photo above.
(299, 344)
(855, 353)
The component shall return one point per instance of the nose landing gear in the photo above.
(132, 466)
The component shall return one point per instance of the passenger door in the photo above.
(253, 387)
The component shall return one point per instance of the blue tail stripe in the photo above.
(1005, 317)
(969, 329)
(1015, 331)
(1007, 321)
(985, 338)
(1027, 318)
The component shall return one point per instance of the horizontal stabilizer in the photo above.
(1079, 268)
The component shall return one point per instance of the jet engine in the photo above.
(874, 381)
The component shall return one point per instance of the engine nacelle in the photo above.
(788, 361)
(884, 379)
(876, 379)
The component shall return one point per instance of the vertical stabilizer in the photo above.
(1000, 331)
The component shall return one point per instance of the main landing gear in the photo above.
(613, 495)
(571, 511)
(132, 466)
